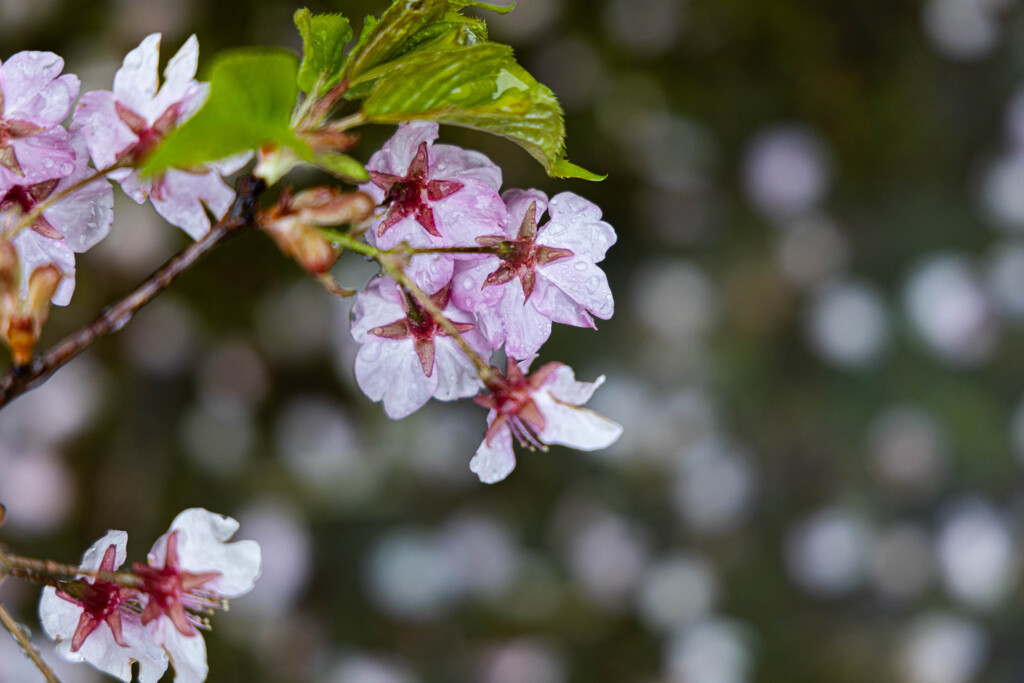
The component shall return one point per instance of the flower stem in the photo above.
(242, 215)
(50, 573)
(22, 639)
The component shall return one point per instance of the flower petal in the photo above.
(33, 93)
(576, 225)
(584, 282)
(203, 547)
(136, 82)
(575, 427)
(494, 462)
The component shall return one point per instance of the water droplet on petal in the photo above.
(580, 266)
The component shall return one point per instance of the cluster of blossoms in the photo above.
(153, 615)
(53, 204)
(500, 275)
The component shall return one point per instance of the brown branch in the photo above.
(19, 635)
(242, 215)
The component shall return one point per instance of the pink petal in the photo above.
(517, 202)
(553, 303)
(106, 135)
(584, 282)
(455, 163)
(494, 462)
(376, 306)
(85, 216)
(468, 291)
(45, 156)
(576, 225)
(398, 152)
(526, 329)
(184, 195)
(33, 93)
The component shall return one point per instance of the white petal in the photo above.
(456, 374)
(136, 82)
(188, 654)
(562, 386)
(202, 548)
(390, 371)
(178, 76)
(495, 462)
(36, 251)
(575, 427)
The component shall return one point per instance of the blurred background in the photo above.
(817, 357)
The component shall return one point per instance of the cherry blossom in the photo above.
(100, 624)
(76, 223)
(126, 124)
(432, 196)
(406, 357)
(191, 571)
(540, 275)
(34, 100)
(540, 410)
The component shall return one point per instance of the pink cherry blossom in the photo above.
(406, 357)
(101, 624)
(34, 100)
(541, 410)
(432, 196)
(541, 275)
(74, 224)
(192, 570)
(126, 124)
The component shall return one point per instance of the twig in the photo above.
(19, 635)
(51, 573)
(242, 215)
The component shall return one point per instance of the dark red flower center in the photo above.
(176, 592)
(100, 602)
(521, 256)
(511, 398)
(413, 194)
(421, 327)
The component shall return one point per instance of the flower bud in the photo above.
(22, 320)
(293, 223)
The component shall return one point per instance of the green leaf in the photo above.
(435, 38)
(324, 37)
(252, 94)
(342, 166)
(477, 86)
(383, 39)
(500, 9)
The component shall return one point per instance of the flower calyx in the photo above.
(521, 256)
(412, 195)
